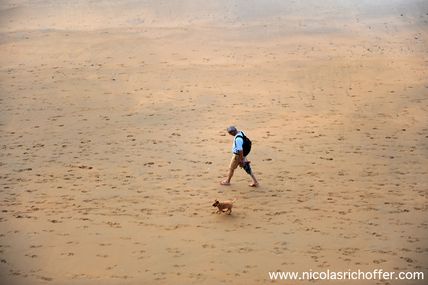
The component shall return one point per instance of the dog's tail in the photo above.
(234, 200)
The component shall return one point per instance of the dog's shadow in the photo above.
(225, 216)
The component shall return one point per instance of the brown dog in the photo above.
(225, 206)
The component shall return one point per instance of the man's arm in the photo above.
(239, 142)
(241, 158)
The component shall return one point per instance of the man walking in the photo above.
(240, 149)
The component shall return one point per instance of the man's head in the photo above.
(232, 130)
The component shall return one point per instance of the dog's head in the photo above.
(216, 202)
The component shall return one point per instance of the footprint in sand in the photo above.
(102, 255)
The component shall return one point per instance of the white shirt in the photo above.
(238, 142)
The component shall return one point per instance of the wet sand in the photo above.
(113, 117)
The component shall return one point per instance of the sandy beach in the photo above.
(113, 118)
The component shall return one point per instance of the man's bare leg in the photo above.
(229, 177)
(233, 165)
(249, 171)
(255, 183)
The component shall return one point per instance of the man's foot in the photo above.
(253, 184)
(225, 183)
